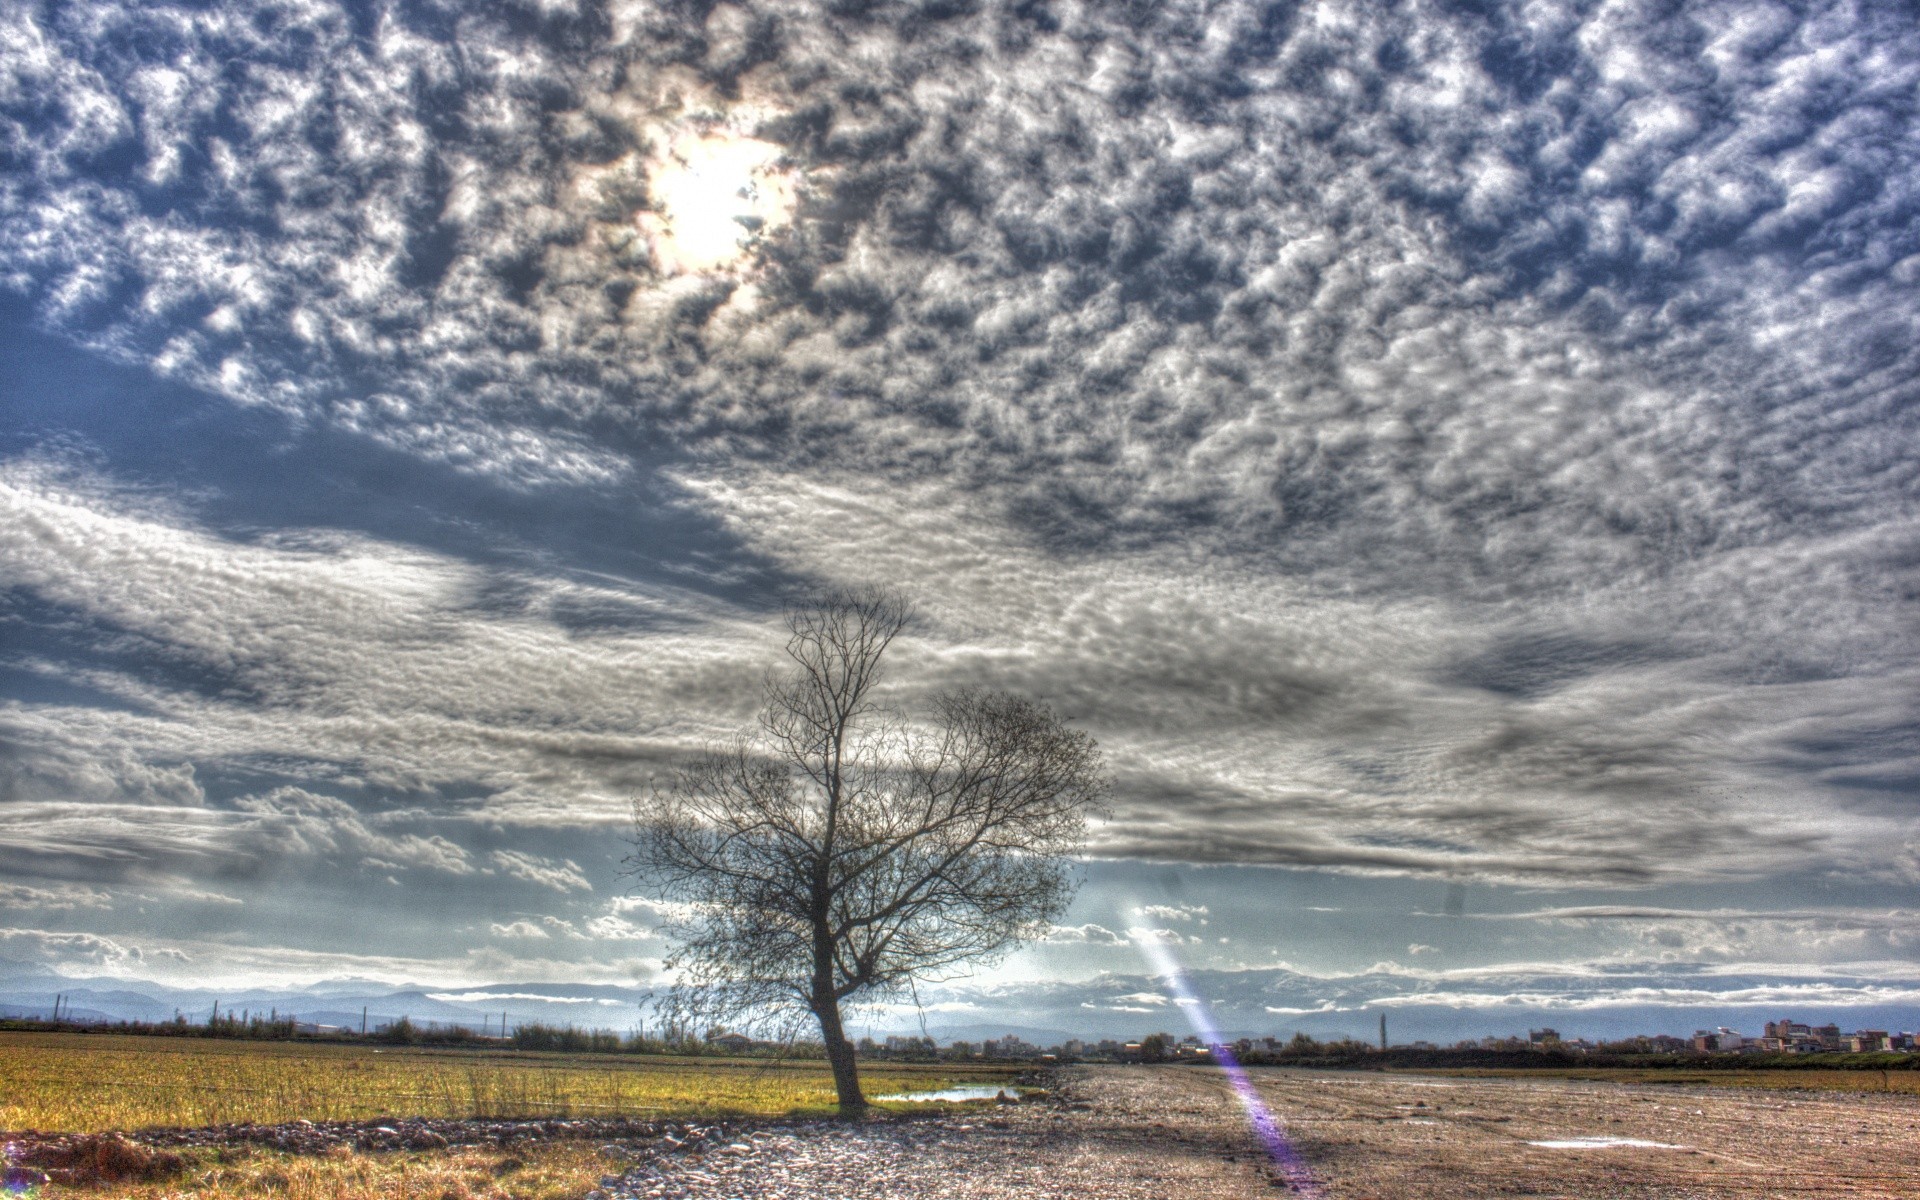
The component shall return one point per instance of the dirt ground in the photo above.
(1153, 1133)
(1405, 1136)
(1174, 1133)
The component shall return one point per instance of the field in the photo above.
(1115, 1133)
(1798, 1079)
(89, 1082)
(547, 1171)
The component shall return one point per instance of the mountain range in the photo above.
(1606, 1001)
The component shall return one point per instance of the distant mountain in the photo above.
(1614, 1000)
(29, 990)
(1610, 1001)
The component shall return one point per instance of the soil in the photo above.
(1120, 1133)
(1180, 1132)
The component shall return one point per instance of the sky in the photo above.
(1458, 459)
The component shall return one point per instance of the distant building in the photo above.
(1010, 1046)
(1717, 1041)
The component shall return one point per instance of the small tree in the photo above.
(839, 853)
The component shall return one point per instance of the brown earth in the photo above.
(1170, 1133)
(1405, 1137)
(1146, 1134)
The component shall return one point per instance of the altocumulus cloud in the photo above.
(1463, 443)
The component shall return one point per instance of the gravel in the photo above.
(1112, 1134)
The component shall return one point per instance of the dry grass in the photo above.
(89, 1083)
(1802, 1079)
(543, 1171)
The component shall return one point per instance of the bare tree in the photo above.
(840, 853)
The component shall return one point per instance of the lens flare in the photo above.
(1266, 1127)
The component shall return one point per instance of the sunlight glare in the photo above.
(714, 193)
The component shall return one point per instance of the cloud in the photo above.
(1174, 912)
(1617, 994)
(198, 896)
(1167, 937)
(1474, 445)
(1840, 917)
(172, 848)
(520, 929)
(615, 928)
(658, 910)
(477, 997)
(560, 876)
(1325, 1007)
(1089, 933)
(42, 945)
(58, 896)
(301, 821)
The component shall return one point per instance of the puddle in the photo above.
(958, 1093)
(1604, 1143)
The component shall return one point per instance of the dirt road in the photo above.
(1173, 1133)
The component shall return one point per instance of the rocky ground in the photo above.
(1175, 1132)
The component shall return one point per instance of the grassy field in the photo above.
(541, 1171)
(1811, 1079)
(92, 1082)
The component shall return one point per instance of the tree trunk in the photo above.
(846, 1072)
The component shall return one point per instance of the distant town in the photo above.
(1784, 1036)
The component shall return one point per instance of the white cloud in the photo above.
(1402, 464)
(477, 997)
(658, 910)
(295, 820)
(1168, 937)
(560, 876)
(1174, 912)
(520, 929)
(615, 928)
(49, 946)
(1089, 933)
(53, 896)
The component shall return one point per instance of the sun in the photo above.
(713, 194)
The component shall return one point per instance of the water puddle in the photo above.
(1604, 1143)
(957, 1093)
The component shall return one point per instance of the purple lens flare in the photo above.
(1266, 1127)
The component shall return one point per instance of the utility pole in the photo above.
(1383, 1029)
(363, 1020)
